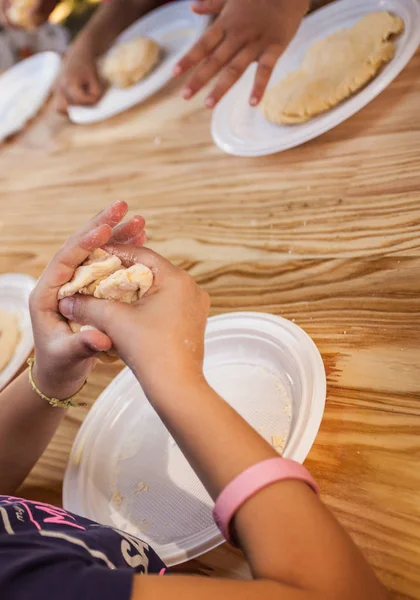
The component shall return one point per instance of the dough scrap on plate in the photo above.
(9, 337)
(333, 69)
(129, 62)
(102, 275)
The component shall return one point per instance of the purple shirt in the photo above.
(47, 553)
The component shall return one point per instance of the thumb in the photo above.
(60, 101)
(87, 344)
(207, 7)
(87, 310)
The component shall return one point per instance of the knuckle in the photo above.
(205, 297)
(33, 300)
(78, 309)
(233, 71)
(186, 283)
(212, 62)
(265, 68)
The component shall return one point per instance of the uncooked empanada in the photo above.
(332, 69)
(130, 62)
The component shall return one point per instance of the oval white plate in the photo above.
(14, 297)
(176, 29)
(239, 129)
(24, 89)
(126, 471)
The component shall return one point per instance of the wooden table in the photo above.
(326, 234)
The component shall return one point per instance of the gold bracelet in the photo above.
(53, 401)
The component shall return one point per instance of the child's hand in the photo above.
(79, 82)
(243, 32)
(63, 360)
(161, 337)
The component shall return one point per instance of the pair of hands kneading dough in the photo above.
(103, 276)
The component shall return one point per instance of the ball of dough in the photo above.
(20, 13)
(130, 61)
(102, 275)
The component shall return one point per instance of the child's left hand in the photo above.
(243, 32)
(63, 360)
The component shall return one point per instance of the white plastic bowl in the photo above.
(127, 472)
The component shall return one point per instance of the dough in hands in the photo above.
(97, 266)
(20, 13)
(9, 337)
(131, 61)
(125, 285)
(333, 69)
(102, 275)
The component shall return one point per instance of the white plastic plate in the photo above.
(127, 472)
(24, 89)
(239, 129)
(176, 29)
(14, 296)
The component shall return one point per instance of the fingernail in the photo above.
(66, 307)
(210, 102)
(177, 70)
(139, 239)
(187, 93)
(253, 101)
(93, 347)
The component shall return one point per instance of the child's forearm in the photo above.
(286, 532)
(27, 424)
(109, 21)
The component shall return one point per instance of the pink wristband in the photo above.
(251, 481)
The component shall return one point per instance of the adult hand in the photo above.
(78, 82)
(161, 337)
(244, 31)
(63, 360)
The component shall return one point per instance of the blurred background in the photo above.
(65, 22)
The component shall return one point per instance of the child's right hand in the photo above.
(161, 337)
(244, 31)
(79, 82)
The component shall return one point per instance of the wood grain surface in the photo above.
(326, 234)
